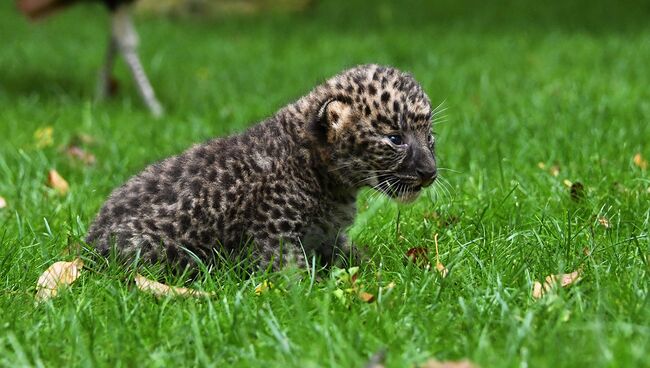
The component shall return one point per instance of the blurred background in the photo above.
(519, 79)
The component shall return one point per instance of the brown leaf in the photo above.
(158, 289)
(366, 297)
(56, 182)
(57, 275)
(563, 279)
(640, 162)
(419, 256)
(432, 363)
(3, 202)
(78, 153)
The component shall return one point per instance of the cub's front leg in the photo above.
(340, 252)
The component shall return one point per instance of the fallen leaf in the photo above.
(78, 153)
(56, 182)
(3, 202)
(419, 256)
(541, 165)
(439, 266)
(432, 363)
(57, 275)
(577, 191)
(567, 183)
(604, 222)
(586, 251)
(44, 137)
(563, 279)
(640, 162)
(366, 297)
(158, 289)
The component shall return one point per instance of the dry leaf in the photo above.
(432, 363)
(586, 251)
(640, 162)
(43, 137)
(56, 182)
(564, 279)
(439, 266)
(604, 222)
(78, 153)
(3, 202)
(541, 165)
(366, 297)
(57, 275)
(158, 289)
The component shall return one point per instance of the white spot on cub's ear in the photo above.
(337, 115)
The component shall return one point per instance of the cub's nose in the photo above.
(427, 175)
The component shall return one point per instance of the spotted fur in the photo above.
(286, 185)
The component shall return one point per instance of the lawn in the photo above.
(539, 96)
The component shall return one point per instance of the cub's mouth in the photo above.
(401, 189)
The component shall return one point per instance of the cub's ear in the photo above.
(331, 117)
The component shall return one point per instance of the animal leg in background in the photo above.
(124, 34)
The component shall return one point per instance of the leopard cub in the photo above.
(287, 185)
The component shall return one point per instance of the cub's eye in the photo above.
(395, 139)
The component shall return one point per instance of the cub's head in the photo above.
(375, 126)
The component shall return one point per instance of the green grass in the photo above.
(565, 84)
